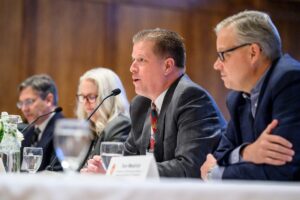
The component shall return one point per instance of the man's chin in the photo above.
(139, 92)
(29, 120)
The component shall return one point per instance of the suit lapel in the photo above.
(48, 133)
(27, 137)
(159, 136)
(146, 132)
(235, 107)
(261, 108)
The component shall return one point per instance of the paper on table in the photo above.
(136, 167)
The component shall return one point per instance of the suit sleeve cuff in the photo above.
(235, 155)
(215, 173)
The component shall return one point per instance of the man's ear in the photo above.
(169, 66)
(255, 52)
(49, 99)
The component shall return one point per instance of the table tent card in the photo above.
(134, 167)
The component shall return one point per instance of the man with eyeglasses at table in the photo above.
(38, 96)
(262, 140)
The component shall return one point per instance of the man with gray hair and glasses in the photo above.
(262, 140)
(37, 97)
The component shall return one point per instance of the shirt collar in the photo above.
(159, 101)
(254, 93)
(43, 125)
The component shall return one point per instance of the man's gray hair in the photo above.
(255, 27)
(43, 84)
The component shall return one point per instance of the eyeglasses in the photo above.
(90, 98)
(26, 102)
(221, 53)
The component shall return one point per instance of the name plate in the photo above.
(135, 167)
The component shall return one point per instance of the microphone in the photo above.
(54, 164)
(56, 110)
(115, 92)
(51, 166)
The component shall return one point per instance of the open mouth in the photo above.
(135, 80)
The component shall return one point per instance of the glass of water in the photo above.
(71, 141)
(109, 150)
(32, 158)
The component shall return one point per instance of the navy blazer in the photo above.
(279, 99)
(189, 126)
(46, 142)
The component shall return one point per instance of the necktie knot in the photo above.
(153, 106)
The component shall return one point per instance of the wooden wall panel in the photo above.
(64, 38)
(10, 44)
(132, 19)
(201, 54)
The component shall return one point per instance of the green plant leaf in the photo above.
(1, 131)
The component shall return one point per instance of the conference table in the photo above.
(56, 186)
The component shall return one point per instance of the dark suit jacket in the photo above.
(279, 99)
(46, 142)
(116, 130)
(189, 127)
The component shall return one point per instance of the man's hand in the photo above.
(94, 166)
(207, 166)
(269, 149)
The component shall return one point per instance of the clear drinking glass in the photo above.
(71, 142)
(32, 158)
(109, 150)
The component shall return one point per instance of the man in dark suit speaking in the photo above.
(172, 117)
(262, 141)
(38, 96)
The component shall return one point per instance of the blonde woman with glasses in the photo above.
(111, 121)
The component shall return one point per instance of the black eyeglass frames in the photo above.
(221, 53)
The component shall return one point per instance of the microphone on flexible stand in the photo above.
(56, 110)
(51, 166)
(115, 92)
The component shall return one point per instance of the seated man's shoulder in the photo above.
(140, 99)
(139, 104)
(187, 88)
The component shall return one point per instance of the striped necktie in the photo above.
(153, 117)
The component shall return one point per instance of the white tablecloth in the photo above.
(61, 186)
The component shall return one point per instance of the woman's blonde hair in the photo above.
(106, 80)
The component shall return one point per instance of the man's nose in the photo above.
(133, 67)
(218, 64)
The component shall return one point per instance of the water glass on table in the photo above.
(109, 150)
(32, 158)
(71, 141)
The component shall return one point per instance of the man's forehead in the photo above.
(143, 48)
(226, 38)
(29, 91)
